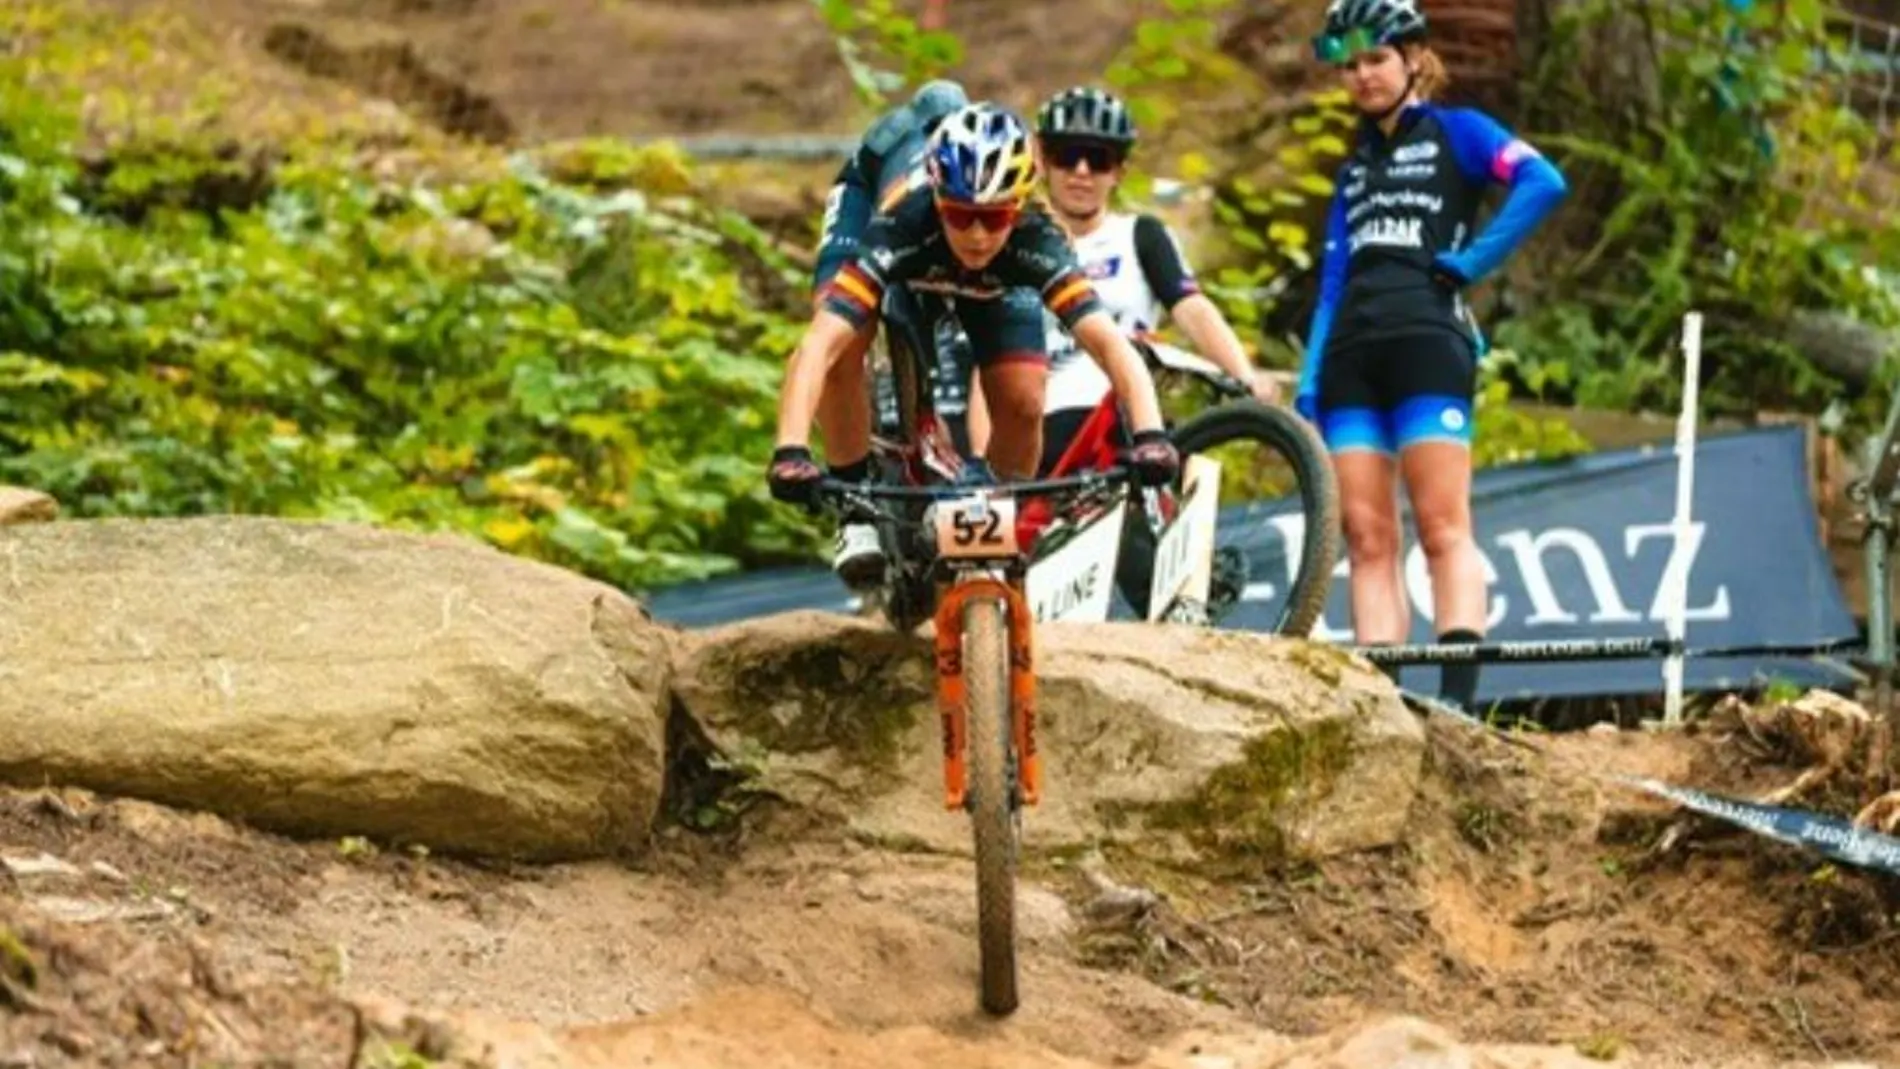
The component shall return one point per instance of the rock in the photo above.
(26, 506)
(329, 680)
(1243, 742)
(1406, 1042)
(37, 866)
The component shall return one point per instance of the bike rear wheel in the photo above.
(992, 794)
(1300, 446)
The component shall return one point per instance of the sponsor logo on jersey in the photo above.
(1388, 232)
(1107, 267)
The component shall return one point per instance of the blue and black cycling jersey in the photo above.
(1403, 218)
(999, 304)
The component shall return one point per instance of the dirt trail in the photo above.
(874, 940)
(1526, 908)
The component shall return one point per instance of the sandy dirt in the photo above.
(1528, 906)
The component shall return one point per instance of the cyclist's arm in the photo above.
(1097, 332)
(1487, 152)
(1332, 286)
(824, 341)
(848, 302)
(1167, 273)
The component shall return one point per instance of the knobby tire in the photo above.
(1296, 440)
(992, 788)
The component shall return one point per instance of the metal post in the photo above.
(1676, 579)
(1877, 541)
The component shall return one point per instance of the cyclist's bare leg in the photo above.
(1013, 392)
(1369, 511)
(844, 409)
(1438, 479)
(977, 416)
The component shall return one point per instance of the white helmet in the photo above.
(980, 154)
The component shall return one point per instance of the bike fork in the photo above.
(953, 690)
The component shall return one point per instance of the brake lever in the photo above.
(1229, 386)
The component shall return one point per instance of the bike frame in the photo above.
(970, 572)
(925, 457)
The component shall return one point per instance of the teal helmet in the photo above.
(1353, 26)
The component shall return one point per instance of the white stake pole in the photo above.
(1676, 579)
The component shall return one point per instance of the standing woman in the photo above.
(1391, 358)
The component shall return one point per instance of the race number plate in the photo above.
(1184, 555)
(976, 527)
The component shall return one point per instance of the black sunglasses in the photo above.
(1068, 155)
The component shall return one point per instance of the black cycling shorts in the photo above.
(1386, 395)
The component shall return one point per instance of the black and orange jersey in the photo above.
(906, 246)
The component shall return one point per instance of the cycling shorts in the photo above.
(1389, 394)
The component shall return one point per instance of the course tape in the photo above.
(1839, 840)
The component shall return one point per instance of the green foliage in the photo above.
(1730, 187)
(583, 371)
(1172, 60)
(884, 49)
(1505, 435)
(1276, 219)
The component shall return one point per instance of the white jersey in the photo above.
(1125, 258)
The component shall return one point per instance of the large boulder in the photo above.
(20, 505)
(328, 679)
(1242, 742)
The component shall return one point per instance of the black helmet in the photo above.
(1085, 112)
(1384, 22)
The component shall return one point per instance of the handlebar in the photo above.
(859, 501)
(1085, 481)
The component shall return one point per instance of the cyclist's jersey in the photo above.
(906, 246)
(1401, 203)
(1138, 271)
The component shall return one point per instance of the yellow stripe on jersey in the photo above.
(898, 190)
(1071, 293)
(860, 289)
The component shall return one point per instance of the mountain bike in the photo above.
(965, 552)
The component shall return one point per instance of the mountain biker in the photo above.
(887, 164)
(966, 234)
(1391, 357)
(1083, 138)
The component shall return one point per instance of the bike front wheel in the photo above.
(992, 796)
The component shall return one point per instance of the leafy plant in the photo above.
(873, 32)
(581, 371)
(1714, 169)
(1505, 435)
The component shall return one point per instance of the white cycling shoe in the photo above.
(859, 556)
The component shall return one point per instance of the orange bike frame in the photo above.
(953, 691)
